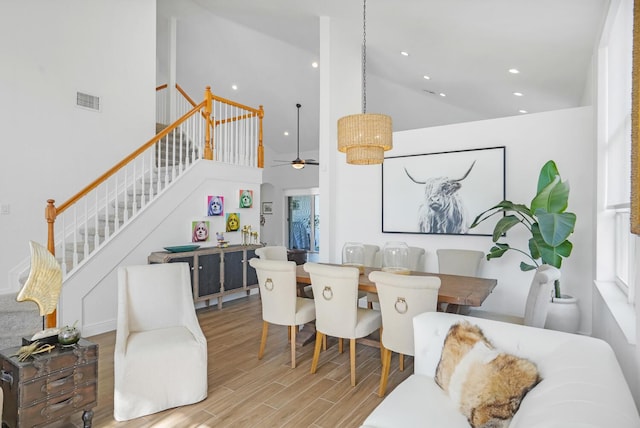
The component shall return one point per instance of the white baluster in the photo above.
(63, 234)
(96, 237)
(107, 232)
(86, 228)
(75, 238)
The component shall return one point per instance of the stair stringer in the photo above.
(89, 296)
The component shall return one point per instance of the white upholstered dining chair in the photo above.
(537, 303)
(160, 355)
(372, 255)
(417, 259)
(401, 298)
(337, 313)
(416, 263)
(278, 252)
(273, 252)
(459, 262)
(280, 303)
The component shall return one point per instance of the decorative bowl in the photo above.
(68, 336)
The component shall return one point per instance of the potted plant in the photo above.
(547, 221)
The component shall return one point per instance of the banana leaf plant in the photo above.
(546, 219)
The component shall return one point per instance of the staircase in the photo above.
(19, 319)
(175, 152)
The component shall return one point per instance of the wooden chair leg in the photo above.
(340, 345)
(289, 333)
(324, 342)
(316, 352)
(263, 341)
(370, 305)
(352, 352)
(293, 329)
(384, 376)
(381, 346)
(401, 356)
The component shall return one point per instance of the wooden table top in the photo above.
(454, 289)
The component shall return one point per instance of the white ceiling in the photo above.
(465, 46)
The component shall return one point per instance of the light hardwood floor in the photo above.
(247, 392)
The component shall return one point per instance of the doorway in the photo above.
(303, 221)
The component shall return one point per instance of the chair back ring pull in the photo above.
(327, 293)
(404, 307)
(268, 284)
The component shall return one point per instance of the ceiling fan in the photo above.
(298, 163)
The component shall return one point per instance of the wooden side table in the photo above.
(49, 386)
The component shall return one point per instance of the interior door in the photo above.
(304, 222)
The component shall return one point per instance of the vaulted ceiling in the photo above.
(465, 47)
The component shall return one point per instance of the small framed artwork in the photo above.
(267, 208)
(199, 231)
(441, 193)
(233, 222)
(246, 198)
(215, 205)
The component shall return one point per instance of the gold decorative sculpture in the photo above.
(44, 283)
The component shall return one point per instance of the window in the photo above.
(624, 252)
(616, 57)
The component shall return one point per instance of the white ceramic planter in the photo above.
(564, 314)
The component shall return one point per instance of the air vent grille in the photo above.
(88, 101)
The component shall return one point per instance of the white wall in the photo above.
(51, 148)
(565, 136)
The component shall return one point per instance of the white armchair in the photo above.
(160, 357)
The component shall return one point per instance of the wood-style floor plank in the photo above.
(247, 392)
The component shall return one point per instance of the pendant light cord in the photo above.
(364, 56)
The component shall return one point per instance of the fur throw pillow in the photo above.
(487, 385)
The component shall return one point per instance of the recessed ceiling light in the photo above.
(514, 71)
(442, 94)
(426, 77)
(518, 94)
(234, 87)
(286, 132)
(314, 64)
(522, 111)
(403, 53)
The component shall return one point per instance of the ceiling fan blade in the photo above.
(306, 162)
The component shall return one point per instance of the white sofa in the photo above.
(582, 384)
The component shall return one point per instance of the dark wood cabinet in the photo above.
(49, 387)
(215, 271)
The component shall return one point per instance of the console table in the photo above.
(215, 271)
(50, 386)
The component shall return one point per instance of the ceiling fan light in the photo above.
(298, 165)
(365, 137)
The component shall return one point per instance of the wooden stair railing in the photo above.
(252, 112)
(149, 162)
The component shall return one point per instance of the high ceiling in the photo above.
(466, 47)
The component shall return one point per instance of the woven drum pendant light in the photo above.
(364, 137)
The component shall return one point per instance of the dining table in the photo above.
(456, 291)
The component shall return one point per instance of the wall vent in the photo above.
(87, 101)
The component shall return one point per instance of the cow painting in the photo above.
(442, 210)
